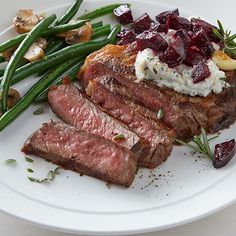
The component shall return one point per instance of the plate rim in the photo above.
(28, 217)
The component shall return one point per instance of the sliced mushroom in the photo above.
(83, 34)
(25, 21)
(223, 61)
(36, 50)
(13, 98)
(8, 53)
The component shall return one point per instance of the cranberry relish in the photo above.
(174, 38)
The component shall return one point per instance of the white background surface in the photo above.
(220, 224)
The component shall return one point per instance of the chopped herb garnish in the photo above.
(160, 114)
(119, 137)
(200, 144)
(223, 78)
(28, 159)
(30, 170)
(39, 111)
(56, 171)
(10, 161)
(50, 176)
(154, 70)
(33, 179)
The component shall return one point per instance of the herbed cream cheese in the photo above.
(149, 67)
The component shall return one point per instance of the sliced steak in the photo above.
(82, 152)
(159, 138)
(184, 113)
(127, 97)
(72, 106)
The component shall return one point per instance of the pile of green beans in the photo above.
(19, 54)
(60, 60)
(62, 55)
(34, 92)
(54, 43)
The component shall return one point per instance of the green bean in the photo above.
(55, 44)
(18, 55)
(101, 31)
(70, 13)
(97, 24)
(2, 72)
(71, 73)
(63, 55)
(51, 31)
(58, 43)
(63, 28)
(2, 59)
(99, 12)
(30, 96)
(11, 42)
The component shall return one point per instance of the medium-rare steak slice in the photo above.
(117, 88)
(159, 138)
(82, 152)
(184, 113)
(68, 102)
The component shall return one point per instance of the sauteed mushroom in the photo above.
(83, 34)
(8, 53)
(13, 98)
(25, 21)
(36, 51)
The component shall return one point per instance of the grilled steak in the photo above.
(158, 137)
(126, 95)
(83, 152)
(184, 113)
(68, 102)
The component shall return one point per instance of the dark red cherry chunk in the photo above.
(224, 152)
(162, 17)
(123, 14)
(178, 22)
(200, 72)
(142, 23)
(159, 27)
(198, 24)
(175, 53)
(151, 39)
(126, 37)
(193, 56)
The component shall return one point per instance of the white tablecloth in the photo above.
(220, 224)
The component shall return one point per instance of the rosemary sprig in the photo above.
(227, 38)
(200, 144)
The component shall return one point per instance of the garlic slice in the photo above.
(223, 61)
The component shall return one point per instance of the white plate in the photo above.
(179, 191)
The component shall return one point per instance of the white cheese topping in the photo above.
(149, 67)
